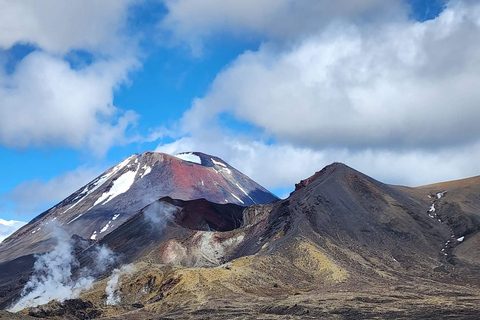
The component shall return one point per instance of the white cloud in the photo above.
(283, 165)
(398, 102)
(409, 84)
(59, 26)
(9, 227)
(33, 197)
(272, 166)
(46, 101)
(195, 20)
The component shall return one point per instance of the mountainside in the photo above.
(342, 246)
(341, 236)
(105, 203)
(457, 205)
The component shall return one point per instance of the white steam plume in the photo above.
(52, 274)
(112, 297)
(159, 213)
(104, 259)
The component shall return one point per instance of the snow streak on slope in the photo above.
(98, 183)
(121, 185)
(245, 192)
(146, 170)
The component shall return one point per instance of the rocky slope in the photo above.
(456, 205)
(108, 201)
(342, 246)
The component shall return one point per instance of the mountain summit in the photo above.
(105, 203)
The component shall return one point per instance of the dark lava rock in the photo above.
(76, 307)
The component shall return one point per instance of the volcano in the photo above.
(342, 246)
(109, 200)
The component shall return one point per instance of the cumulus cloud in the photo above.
(195, 20)
(59, 26)
(283, 165)
(411, 84)
(36, 196)
(398, 102)
(9, 227)
(48, 101)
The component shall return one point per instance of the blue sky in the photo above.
(277, 88)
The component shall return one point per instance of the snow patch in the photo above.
(98, 183)
(237, 198)
(115, 217)
(432, 208)
(461, 239)
(245, 192)
(226, 170)
(120, 186)
(219, 163)
(146, 170)
(105, 228)
(94, 236)
(81, 214)
(190, 157)
(441, 194)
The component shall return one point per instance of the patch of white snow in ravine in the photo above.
(94, 235)
(432, 208)
(81, 214)
(120, 186)
(223, 167)
(461, 239)
(243, 190)
(218, 163)
(146, 170)
(441, 194)
(190, 157)
(98, 183)
(237, 198)
(115, 217)
(105, 228)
